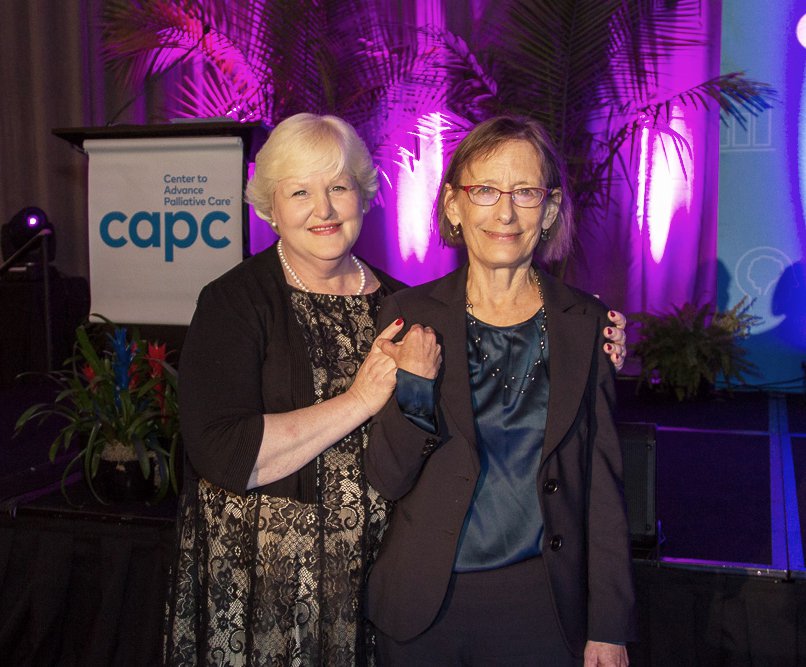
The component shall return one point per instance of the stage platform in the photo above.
(725, 584)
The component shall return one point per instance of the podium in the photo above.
(166, 213)
(253, 135)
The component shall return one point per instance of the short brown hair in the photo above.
(482, 141)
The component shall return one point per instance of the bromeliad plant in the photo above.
(117, 397)
(687, 349)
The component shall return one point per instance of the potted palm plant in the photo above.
(685, 350)
(116, 397)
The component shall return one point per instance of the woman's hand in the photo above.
(616, 346)
(375, 380)
(292, 439)
(418, 352)
(599, 654)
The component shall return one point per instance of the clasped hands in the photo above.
(417, 352)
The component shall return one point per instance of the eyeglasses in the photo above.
(487, 195)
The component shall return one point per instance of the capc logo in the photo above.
(169, 230)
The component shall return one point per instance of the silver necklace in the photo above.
(302, 285)
(529, 377)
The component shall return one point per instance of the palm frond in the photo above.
(736, 96)
(566, 63)
(397, 76)
(142, 38)
(211, 96)
(252, 44)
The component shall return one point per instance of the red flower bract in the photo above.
(156, 358)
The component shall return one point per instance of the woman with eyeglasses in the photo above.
(509, 542)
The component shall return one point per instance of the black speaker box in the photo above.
(23, 339)
(639, 446)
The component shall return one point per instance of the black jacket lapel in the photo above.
(455, 386)
(569, 328)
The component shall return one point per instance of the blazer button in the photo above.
(430, 446)
(556, 542)
(551, 486)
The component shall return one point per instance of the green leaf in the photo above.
(691, 345)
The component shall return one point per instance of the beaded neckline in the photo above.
(303, 286)
(534, 357)
(536, 350)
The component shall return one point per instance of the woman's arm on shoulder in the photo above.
(611, 596)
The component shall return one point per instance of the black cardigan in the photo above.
(244, 356)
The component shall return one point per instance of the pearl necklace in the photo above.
(530, 376)
(302, 285)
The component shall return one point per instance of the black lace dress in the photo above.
(264, 580)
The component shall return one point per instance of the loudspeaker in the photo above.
(23, 339)
(639, 446)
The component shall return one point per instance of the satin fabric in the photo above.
(510, 392)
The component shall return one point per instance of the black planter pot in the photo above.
(123, 481)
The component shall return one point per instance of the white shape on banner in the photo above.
(757, 272)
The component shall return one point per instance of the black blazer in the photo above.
(586, 549)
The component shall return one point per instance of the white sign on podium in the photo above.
(165, 218)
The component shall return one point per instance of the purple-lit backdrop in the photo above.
(400, 233)
(658, 246)
(406, 63)
(612, 259)
(655, 247)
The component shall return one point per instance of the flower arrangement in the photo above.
(118, 398)
(685, 350)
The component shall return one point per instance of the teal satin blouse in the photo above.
(510, 390)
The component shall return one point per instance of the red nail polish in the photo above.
(609, 331)
(611, 313)
(399, 321)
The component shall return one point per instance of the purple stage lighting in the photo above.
(24, 225)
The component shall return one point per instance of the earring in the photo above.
(456, 231)
(274, 226)
(544, 234)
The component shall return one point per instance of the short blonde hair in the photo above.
(482, 141)
(304, 144)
